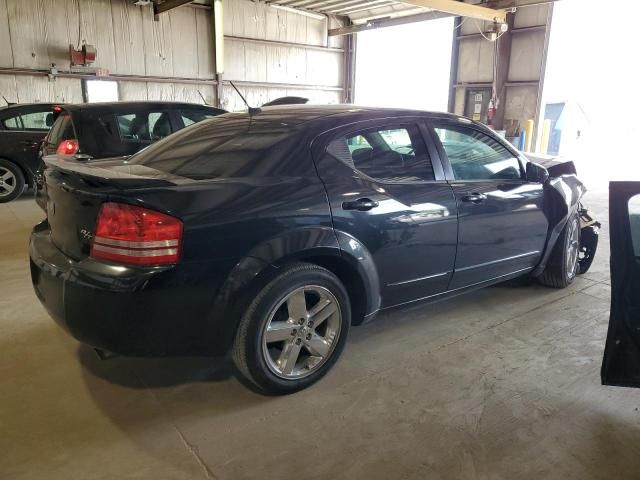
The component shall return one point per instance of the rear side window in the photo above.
(219, 149)
(144, 126)
(34, 121)
(392, 154)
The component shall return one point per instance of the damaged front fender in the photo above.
(563, 193)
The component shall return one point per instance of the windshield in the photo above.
(217, 148)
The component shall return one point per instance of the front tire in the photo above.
(562, 266)
(12, 181)
(294, 330)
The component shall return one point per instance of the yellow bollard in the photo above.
(546, 131)
(529, 130)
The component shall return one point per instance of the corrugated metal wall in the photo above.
(296, 57)
(36, 33)
(526, 64)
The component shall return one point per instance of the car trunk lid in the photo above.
(75, 192)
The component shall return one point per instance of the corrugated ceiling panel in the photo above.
(97, 29)
(66, 90)
(6, 55)
(61, 30)
(132, 90)
(160, 91)
(129, 39)
(8, 89)
(324, 68)
(521, 103)
(475, 62)
(206, 53)
(531, 16)
(184, 42)
(527, 50)
(28, 40)
(255, 64)
(234, 60)
(157, 44)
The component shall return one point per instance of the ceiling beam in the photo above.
(382, 22)
(386, 22)
(462, 9)
(167, 5)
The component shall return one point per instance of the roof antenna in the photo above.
(252, 110)
(8, 102)
(203, 99)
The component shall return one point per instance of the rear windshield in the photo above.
(62, 129)
(219, 148)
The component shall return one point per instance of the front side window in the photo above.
(474, 155)
(144, 126)
(388, 154)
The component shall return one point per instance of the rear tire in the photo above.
(294, 330)
(562, 267)
(12, 182)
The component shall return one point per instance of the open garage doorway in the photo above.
(589, 98)
(406, 66)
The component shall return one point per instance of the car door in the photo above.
(502, 227)
(23, 131)
(621, 361)
(387, 192)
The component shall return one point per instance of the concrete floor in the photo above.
(500, 384)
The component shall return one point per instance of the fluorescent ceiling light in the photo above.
(306, 13)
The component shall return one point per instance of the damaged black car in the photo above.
(269, 234)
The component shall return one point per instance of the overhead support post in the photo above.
(503, 60)
(453, 72)
(218, 48)
(349, 68)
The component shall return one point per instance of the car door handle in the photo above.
(30, 143)
(361, 204)
(474, 197)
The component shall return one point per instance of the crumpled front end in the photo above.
(565, 193)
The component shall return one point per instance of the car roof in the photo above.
(115, 106)
(293, 115)
(23, 105)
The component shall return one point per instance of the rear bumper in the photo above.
(126, 310)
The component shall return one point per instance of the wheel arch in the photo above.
(316, 245)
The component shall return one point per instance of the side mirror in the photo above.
(537, 173)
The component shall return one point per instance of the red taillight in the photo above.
(57, 108)
(67, 147)
(136, 235)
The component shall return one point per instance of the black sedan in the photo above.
(22, 128)
(271, 234)
(92, 131)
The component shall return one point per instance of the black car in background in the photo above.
(22, 128)
(92, 131)
(269, 234)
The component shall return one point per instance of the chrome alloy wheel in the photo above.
(301, 332)
(573, 248)
(8, 182)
